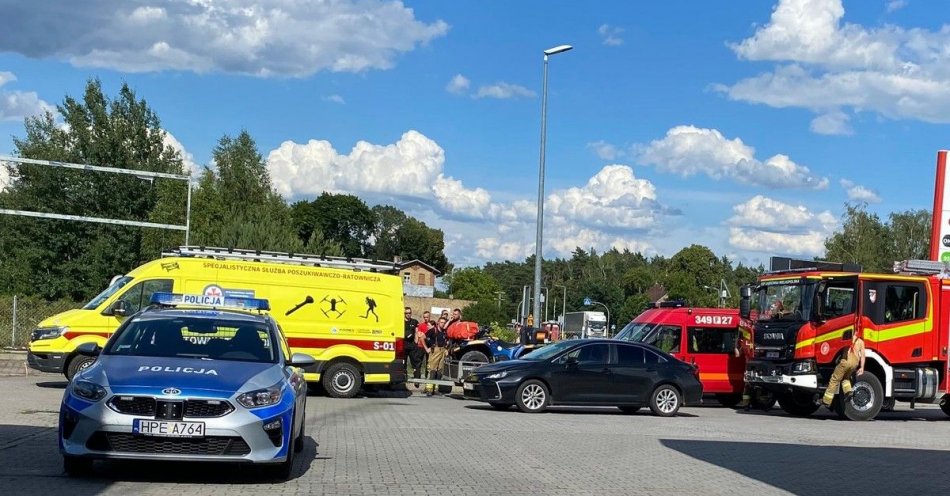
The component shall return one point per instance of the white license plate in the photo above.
(771, 354)
(468, 386)
(164, 428)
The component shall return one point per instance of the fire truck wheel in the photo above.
(474, 356)
(798, 404)
(889, 405)
(867, 397)
(945, 404)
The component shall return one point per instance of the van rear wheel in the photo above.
(342, 380)
(77, 365)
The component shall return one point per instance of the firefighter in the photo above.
(854, 361)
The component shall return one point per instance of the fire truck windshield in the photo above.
(783, 301)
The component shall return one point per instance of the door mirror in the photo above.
(745, 292)
(301, 360)
(89, 349)
(118, 308)
(745, 301)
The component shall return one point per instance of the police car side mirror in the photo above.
(301, 360)
(88, 349)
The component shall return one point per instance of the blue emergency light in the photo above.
(200, 300)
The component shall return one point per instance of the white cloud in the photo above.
(688, 150)
(503, 90)
(832, 123)
(17, 105)
(895, 5)
(830, 66)
(770, 226)
(188, 160)
(859, 193)
(334, 99)
(606, 151)
(458, 85)
(241, 36)
(410, 169)
(610, 35)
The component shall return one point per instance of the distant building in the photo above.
(656, 293)
(418, 278)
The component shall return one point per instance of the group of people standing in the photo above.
(426, 343)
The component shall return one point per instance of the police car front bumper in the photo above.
(96, 430)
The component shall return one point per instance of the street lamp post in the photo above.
(544, 114)
(563, 302)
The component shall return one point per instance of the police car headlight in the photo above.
(89, 391)
(498, 375)
(261, 397)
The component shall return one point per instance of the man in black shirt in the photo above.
(409, 342)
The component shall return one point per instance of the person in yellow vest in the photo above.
(853, 361)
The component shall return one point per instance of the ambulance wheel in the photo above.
(728, 400)
(77, 365)
(474, 356)
(75, 466)
(798, 404)
(342, 380)
(866, 400)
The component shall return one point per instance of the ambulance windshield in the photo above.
(117, 283)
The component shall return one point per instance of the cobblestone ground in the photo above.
(398, 444)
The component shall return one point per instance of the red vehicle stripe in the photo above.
(319, 343)
(76, 334)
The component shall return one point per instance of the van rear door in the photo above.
(712, 349)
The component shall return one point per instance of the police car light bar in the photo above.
(197, 300)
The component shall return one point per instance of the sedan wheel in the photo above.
(532, 397)
(665, 401)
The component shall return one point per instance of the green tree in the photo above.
(908, 235)
(234, 204)
(343, 219)
(484, 312)
(56, 258)
(861, 240)
(416, 240)
(473, 283)
(388, 221)
(691, 271)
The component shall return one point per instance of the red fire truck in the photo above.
(705, 337)
(803, 315)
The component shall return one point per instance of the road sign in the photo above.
(586, 301)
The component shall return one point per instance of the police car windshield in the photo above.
(193, 337)
(635, 331)
(116, 285)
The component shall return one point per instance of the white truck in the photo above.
(583, 325)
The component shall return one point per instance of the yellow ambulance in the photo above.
(346, 313)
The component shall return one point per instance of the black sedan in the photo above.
(588, 372)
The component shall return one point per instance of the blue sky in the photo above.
(744, 126)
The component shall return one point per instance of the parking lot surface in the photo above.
(405, 443)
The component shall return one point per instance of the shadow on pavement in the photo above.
(578, 410)
(53, 384)
(810, 469)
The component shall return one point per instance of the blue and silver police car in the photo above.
(191, 377)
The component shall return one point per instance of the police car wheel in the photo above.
(77, 467)
(77, 365)
(342, 380)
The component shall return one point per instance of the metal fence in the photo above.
(19, 315)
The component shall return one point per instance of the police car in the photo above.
(190, 377)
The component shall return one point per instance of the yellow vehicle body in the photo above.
(333, 314)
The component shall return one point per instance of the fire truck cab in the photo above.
(705, 337)
(803, 315)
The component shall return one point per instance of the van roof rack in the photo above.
(360, 264)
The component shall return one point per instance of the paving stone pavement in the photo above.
(392, 444)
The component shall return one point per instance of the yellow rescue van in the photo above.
(346, 313)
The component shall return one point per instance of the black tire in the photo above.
(77, 365)
(629, 409)
(474, 356)
(866, 399)
(888, 405)
(798, 404)
(729, 400)
(532, 396)
(666, 400)
(764, 400)
(443, 389)
(342, 380)
(500, 406)
(298, 446)
(945, 404)
(75, 466)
